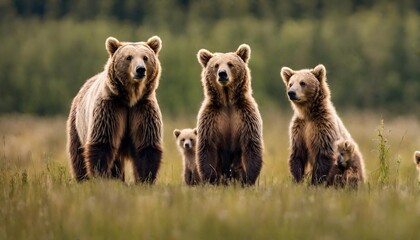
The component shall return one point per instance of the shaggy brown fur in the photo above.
(229, 143)
(315, 125)
(116, 117)
(186, 141)
(348, 169)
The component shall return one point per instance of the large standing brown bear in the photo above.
(116, 117)
(315, 126)
(229, 143)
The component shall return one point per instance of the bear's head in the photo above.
(417, 159)
(307, 85)
(225, 70)
(134, 66)
(186, 138)
(345, 151)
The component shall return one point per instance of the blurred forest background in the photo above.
(371, 48)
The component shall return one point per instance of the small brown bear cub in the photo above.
(186, 142)
(417, 162)
(115, 117)
(348, 170)
(229, 124)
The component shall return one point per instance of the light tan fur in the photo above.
(186, 142)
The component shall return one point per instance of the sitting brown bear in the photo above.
(349, 169)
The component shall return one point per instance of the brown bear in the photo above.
(315, 126)
(349, 167)
(229, 142)
(186, 141)
(116, 116)
(417, 162)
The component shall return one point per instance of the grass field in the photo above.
(38, 199)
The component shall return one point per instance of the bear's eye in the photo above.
(145, 58)
(182, 140)
(129, 58)
(216, 66)
(290, 85)
(230, 64)
(302, 83)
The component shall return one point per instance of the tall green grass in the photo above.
(383, 149)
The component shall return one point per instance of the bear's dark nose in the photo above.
(340, 160)
(292, 95)
(187, 146)
(140, 71)
(223, 76)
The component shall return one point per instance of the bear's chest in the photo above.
(311, 133)
(228, 128)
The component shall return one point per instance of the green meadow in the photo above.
(39, 200)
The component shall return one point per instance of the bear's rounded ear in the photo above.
(176, 133)
(286, 73)
(320, 72)
(204, 57)
(417, 157)
(195, 131)
(112, 44)
(244, 52)
(348, 145)
(155, 44)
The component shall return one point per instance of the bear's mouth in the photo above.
(295, 99)
(139, 77)
(223, 82)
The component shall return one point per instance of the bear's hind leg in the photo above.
(146, 164)
(117, 169)
(188, 177)
(299, 153)
(351, 178)
(109, 124)
(76, 151)
(196, 177)
(98, 159)
(252, 161)
(321, 170)
(207, 165)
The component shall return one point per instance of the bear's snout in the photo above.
(292, 95)
(140, 72)
(187, 145)
(340, 162)
(223, 76)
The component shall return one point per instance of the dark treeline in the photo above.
(371, 48)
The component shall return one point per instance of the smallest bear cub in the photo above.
(417, 162)
(186, 139)
(348, 170)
